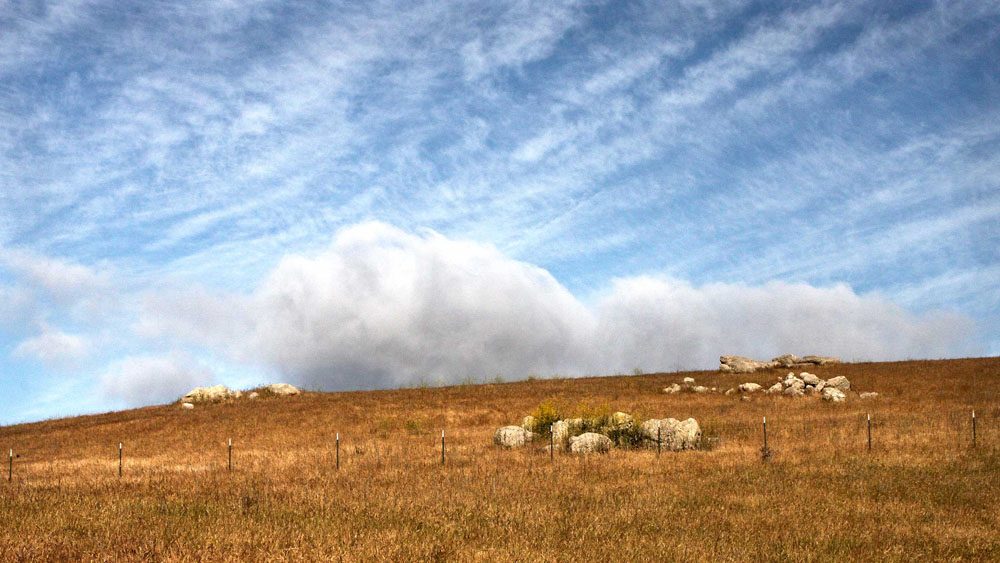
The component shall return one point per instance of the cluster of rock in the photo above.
(688, 386)
(834, 389)
(220, 393)
(741, 364)
(583, 436)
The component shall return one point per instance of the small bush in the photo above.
(545, 416)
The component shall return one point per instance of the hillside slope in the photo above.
(923, 490)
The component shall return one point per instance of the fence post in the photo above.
(659, 441)
(230, 454)
(973, 429)
(552, 443)
(10, 466)
(765, 433)
(442, 447)
(338, 450)
(119, 459)
(869, 432)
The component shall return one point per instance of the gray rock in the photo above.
(833, 395)
(730, 392)
(742, 364)
(821, 385)
(688, 381)
(775, 389)
(699, 389)
(840, 383)
(809, 378)
(749, 387)
(819, 360)
(868, 395)
(675, 388)
(785, 360)
(793, 391)
(590, 442)
(512, 437)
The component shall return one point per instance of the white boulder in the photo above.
(741, 364)
(590, 442)
(675, 388)
(833, 395)
(283, 389)
(688, 381)
(775, 389)
(699, 389)
(749, 387)
(674, 434)
(187, 406)
(560, 433)
(512, 437)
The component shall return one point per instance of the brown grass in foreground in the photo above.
(923, 493)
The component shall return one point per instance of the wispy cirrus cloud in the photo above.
(163, 146)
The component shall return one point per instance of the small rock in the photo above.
(253, 395)
(744, 398)
(821, 385)
(834, 395)
(699, 389)
(775, 389)
(730, 392)
(187, 406)
(512, 437)
(840, 383)
(675, 388)
(590, 442)
(688, 381)
(868, 395)
(749, 387)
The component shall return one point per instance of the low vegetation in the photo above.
(922, 492)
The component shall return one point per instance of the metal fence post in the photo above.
(119, 459)
(442, 447)
(338, 450)
(230, 454)
(869, 432)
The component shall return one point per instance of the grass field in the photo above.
(922, 493)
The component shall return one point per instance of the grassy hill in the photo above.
(923, 492)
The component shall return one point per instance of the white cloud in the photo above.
(143, 380)
(54, 348)
(61, 279)
(381, 307)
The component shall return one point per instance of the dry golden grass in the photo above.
(922, 494)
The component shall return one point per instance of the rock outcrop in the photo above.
(840, 383)
(742, 364)
(214, 393)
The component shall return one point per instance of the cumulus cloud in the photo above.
(382, 307)
(53, 347)
(153, 379)
(62, 280)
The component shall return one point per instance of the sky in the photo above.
(383, 194)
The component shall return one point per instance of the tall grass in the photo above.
(923, 493)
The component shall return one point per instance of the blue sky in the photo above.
(381, 194)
